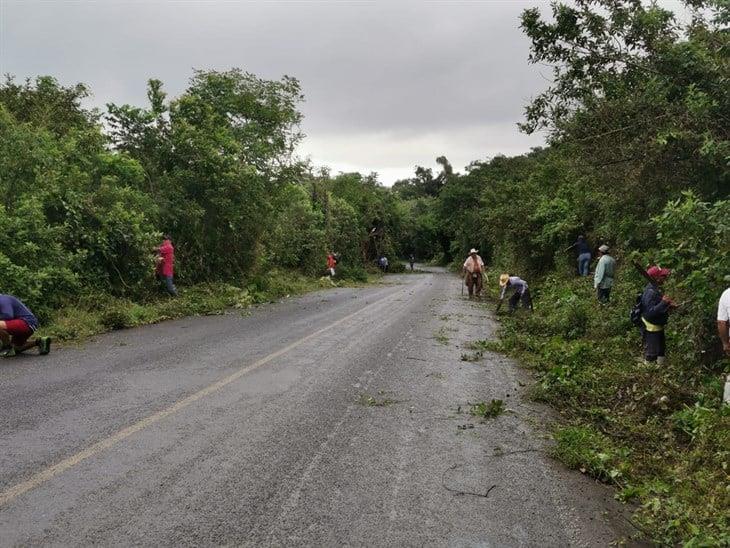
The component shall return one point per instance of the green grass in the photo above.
(489, 410)
(472, 356)
(380, 400)
(658, 433)
(441, 336)
(98, 313)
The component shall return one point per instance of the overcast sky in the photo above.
(388, 85)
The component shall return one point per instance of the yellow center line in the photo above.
(52, 471)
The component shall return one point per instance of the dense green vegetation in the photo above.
(637, 157)
(83, 208)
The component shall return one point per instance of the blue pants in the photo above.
(584, 260)
(169, 285)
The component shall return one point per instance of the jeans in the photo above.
(516, 297)
(584, 260)
(169, 285)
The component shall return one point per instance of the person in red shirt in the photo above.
(331, 263)
(165, 265)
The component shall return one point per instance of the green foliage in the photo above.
(297, 239)
(354, 273)
(591, 452)
(694, 241)
(489, 410)
(660, 433)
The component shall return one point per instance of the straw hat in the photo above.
(503, 280)
(472, 250)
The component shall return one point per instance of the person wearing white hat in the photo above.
(473, 269)
(603, 278)
(521, 292)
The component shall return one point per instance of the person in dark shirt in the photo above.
(655, 308)
(17, 324)
(584, 255)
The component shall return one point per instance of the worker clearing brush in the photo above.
(473, 271)
(655, 309)
(521, 292)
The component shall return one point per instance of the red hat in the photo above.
(656, 272)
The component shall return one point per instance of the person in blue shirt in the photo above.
(17, 324)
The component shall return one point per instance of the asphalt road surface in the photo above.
(336, 418)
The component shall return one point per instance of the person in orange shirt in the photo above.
(472, 270)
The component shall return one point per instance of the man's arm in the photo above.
(722, 331)
(600, 272)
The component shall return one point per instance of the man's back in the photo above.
(12, 308)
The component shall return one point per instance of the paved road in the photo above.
(259, 429)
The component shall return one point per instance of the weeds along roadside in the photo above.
(660, 434)
(97, 313)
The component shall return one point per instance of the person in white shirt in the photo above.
(472, 270)
(723, 320)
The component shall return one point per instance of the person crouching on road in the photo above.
(17, 324)
(331, 263)
(521, 291)
(165, 265)
(603, 278)
(655, 308)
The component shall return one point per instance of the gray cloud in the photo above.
(388, 85)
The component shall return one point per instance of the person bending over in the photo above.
(521, 292)
(17, 324)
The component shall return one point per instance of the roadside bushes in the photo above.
(694, 241)
(82, 210)
(659, 433)
(71, 216)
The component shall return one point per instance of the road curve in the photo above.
(328, 419)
